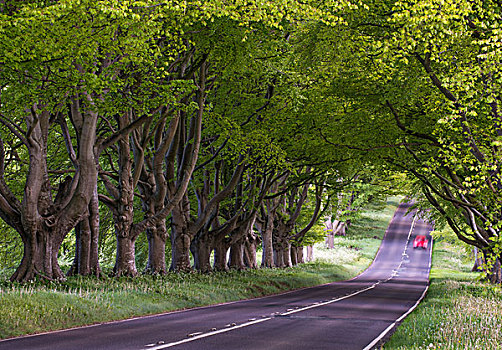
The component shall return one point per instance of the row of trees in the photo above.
(203, 123)
(166, 115)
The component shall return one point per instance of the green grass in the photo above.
(357, 249)
(458, 312)
(45, 306)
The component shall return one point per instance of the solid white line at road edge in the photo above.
(388, 329)
(224, 330)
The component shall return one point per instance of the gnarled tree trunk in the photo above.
(42, 221)
(236, 260)
(180, 237)
(157, 237)
(86, 261)
(201, 248)
(220, 254)
(40, 258)
(250, 245)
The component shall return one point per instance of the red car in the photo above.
(420, 242)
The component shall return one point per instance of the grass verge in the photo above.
(45, 306)
(458, 312)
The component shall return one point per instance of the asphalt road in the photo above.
(352, 314)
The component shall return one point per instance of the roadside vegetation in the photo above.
(43, 306)
(458, 312)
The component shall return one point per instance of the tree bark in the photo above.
(478, 260)
(495, 274)
(125, 261)
(236, 260)
(39, 258)
(299, 255)
(267, 259)
(294, 255)
(220, 254)
(201, 248)
(157, 237)
(86, 261)
(310, 253)
(180, 237)
(250, 245)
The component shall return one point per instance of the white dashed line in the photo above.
(233, 326)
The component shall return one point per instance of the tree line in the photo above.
(210, 125)
(165, 114)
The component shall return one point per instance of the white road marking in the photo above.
(388, 329)
(205, 335)
(194, 334)
(233, 326)
(169, 345)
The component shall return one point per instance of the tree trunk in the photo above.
(283, 255)
(282, 246)
(81, 262)
(278, 257)
(267, 259)
(86, 260)
(299, 255)
(330, 241)
(220, 255)
(157, 237)
(201, 251)
(496, 275)
(310, 253)
(478, 260)
(43, 220)
(125, 262)
(340, 229)
(286, 251)
(294, 255)
(39, 258)
(180, 259)
(494, 272)
(250, 252)
(237, 256)
(180, 238)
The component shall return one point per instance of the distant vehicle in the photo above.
(420, 241)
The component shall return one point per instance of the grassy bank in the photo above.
(458, 312)
(44, 306)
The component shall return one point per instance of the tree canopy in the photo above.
(199, 127)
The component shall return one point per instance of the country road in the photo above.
(352, 314)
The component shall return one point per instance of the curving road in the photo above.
(354, 314)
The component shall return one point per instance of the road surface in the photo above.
(353, 314)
